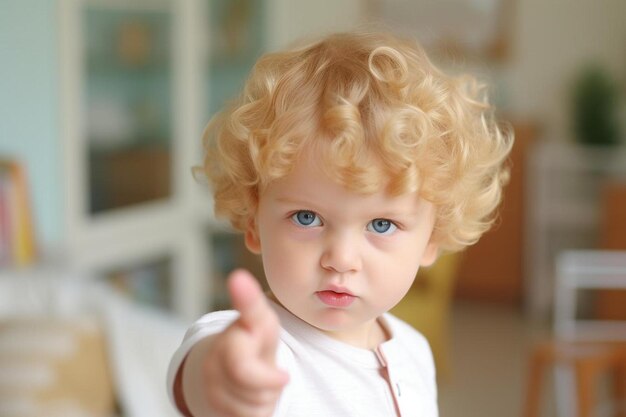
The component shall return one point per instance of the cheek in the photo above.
(394, 287)
(399, 269)
(285, 261)
(401, 274)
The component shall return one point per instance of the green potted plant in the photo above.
(595, 102)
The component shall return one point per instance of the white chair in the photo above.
(587, 270)
(141, 343)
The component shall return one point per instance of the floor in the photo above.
(489, 352)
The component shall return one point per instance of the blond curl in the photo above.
(359, 97)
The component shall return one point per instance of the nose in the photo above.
(341, 254)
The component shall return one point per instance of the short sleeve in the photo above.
(206, 326)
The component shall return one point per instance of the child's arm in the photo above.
(234, 373)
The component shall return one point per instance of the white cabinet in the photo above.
(132, 112)
(563, 197)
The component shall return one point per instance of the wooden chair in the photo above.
(588, 361)
(611, 304)
(588, 348)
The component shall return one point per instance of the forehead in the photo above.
(313, 178)
(356, 168)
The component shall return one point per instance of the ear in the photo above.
(430, 254)
(251, 237)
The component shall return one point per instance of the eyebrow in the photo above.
(288, 200)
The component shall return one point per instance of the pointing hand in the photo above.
(239, 368)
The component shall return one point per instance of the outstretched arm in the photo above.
(234, 372)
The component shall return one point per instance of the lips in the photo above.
(336, 297)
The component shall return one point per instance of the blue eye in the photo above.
(382, 226)
(306, 218)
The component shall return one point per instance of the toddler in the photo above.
(347, 163)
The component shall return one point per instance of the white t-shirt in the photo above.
(331, 378)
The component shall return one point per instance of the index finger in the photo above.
(248, 299)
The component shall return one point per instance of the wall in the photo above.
(29, 119)
(553, 39)
(290, 20)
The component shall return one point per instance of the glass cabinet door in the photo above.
(127, 97)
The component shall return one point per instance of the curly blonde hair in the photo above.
(358, 98)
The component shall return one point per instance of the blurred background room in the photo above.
(108, 244)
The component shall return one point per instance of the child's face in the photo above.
(335, 258)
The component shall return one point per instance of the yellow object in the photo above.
(427, 307)
(15, 214)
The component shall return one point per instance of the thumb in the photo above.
(256, 315)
